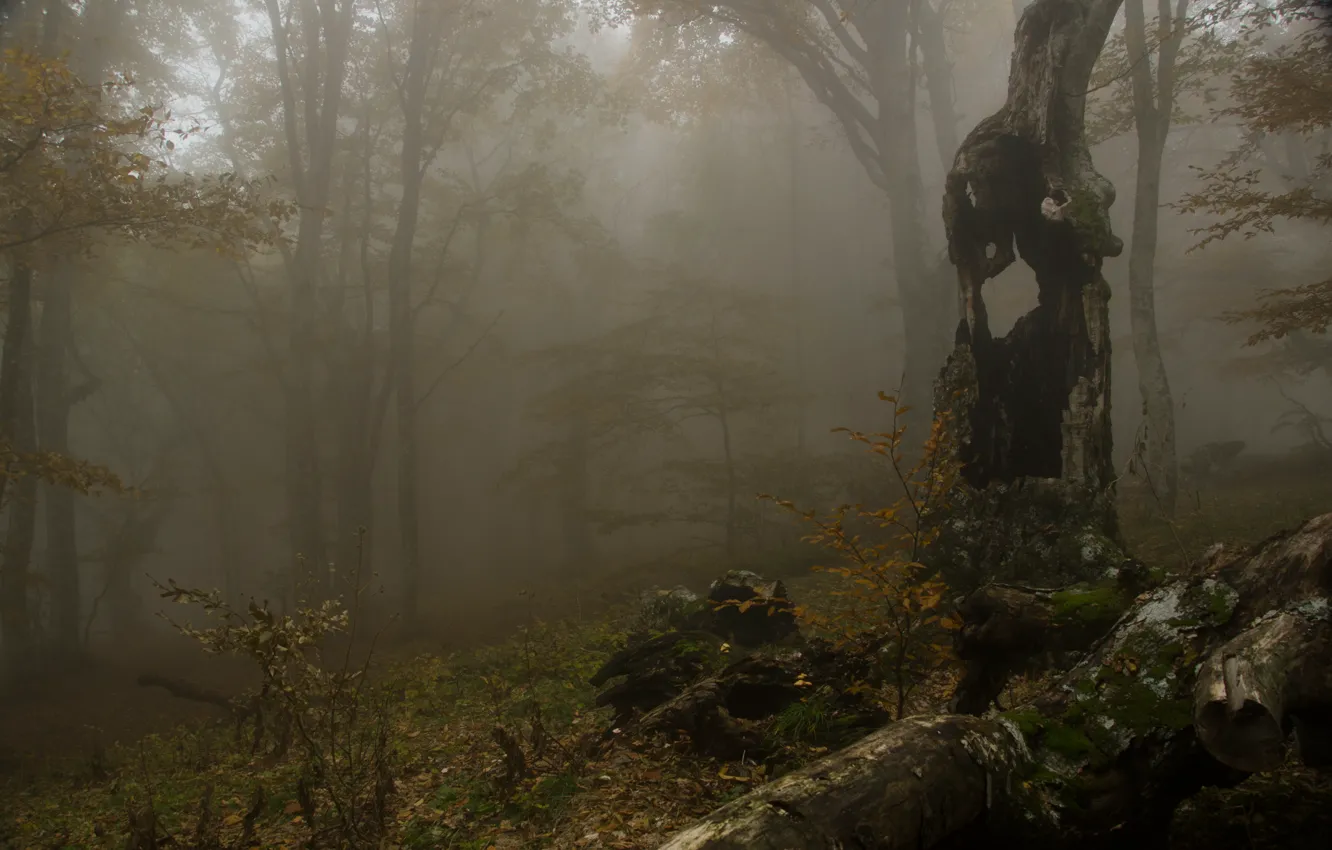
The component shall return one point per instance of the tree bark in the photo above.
(910, 785)
(54, 398)
(327, 32)
(924, 312)
(1153, 103)
(18, 433)
(53, 405)
(938, 81)
(401, 325)
(1106, 754)
(359, 407)
(1033, 408)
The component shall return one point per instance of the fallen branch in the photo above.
(182, 689)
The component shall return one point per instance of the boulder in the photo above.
(663, 609)
(749, 610)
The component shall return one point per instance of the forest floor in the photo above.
(446, 761)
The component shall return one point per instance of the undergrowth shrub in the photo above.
(891, 603)
(539, 712)
(328, 718)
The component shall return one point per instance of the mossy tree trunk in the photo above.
(1034, 406)
(1198, 683)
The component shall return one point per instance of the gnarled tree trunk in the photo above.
(1033, 407)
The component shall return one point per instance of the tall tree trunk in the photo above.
(938, 81)
(326, 27)
(17, 432)
(304, 485)
(580, 549)
(53, 395)
(357, 405)
(22, 528)
(401, 327)
(794, 279)
(925, 314)
(53, 404)
(732, 489)
(1153, 102)
(355, 496)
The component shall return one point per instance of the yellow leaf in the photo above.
(724, 775)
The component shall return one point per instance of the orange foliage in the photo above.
(893, 601)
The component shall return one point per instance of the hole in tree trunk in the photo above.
(1010, 296)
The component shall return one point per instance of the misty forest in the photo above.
(774, 424)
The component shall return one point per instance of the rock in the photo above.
(749, 610)
(725, 715)
(1212, 459)
(655, 671)
(661, 609)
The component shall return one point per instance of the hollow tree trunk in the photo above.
(1033, 408)
(1195, 685)
(1153, 103)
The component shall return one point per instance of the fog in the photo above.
(648, 275)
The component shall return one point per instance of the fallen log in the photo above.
(912, 784)
(181, 689)
(1198, 683)
(1008, 628)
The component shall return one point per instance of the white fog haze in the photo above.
(490, 312)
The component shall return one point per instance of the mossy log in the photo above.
(1008, 628)
(1200, 681)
